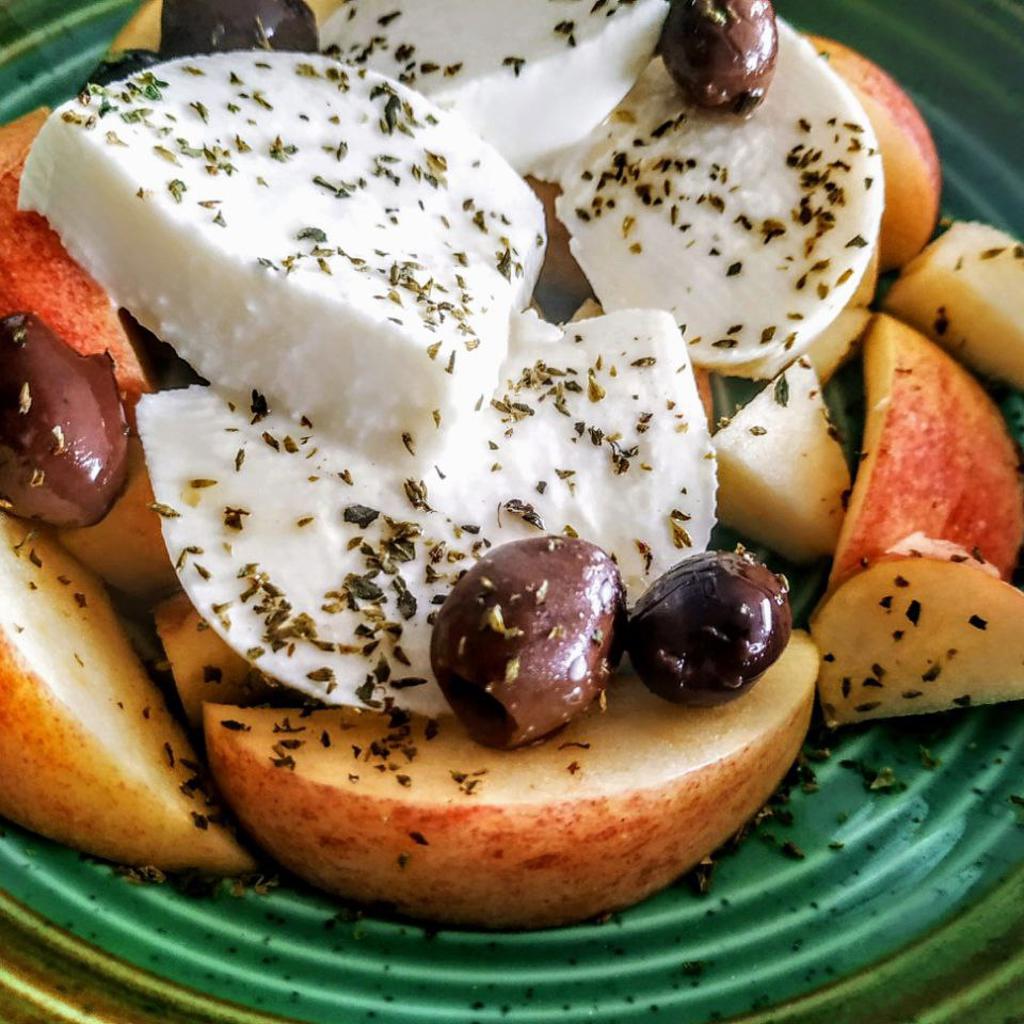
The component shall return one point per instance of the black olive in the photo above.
(721, 53)
(63, 447)
(528, 638)
(190, 27)
(122, 65)
(708, 629)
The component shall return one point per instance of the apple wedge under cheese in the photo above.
(126, 548)
(916, 635)
(323, 568)
(204, 668)
(754, 234)
(415, 814)
(290, 224)
(89, 754)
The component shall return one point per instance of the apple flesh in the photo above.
(917, 635)
(126, 548)
(913, 172)
(204, 668)
(38, 276)
(939, 470)
(966, 292)
(89, 754)
(420, 817)
(782, 475)
(839, 342)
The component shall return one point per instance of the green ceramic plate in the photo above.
(903, 903)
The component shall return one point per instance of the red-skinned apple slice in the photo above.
(913, 173)
(38, 276)
(916, 635)
(940, 474)
(593, 819)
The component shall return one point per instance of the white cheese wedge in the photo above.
(600, 433)
(324, 568)
(291, 224)
(531, 76)
(754, 234)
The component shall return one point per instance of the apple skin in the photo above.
(549, 835)
(913, 172)
(938, 461)
(38, 276)
(205, 669)
(917, 635)
(126, 548)
(89, 754)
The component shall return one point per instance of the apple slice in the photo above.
(782, 475)
(916, 635)
(966, 292)
(126, 548)
(913, 173)
(940, 472)
(839, 342)
(205, 669)
(38, 276)
(89, 754)
(417, 815)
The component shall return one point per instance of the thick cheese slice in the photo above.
(531, 76)
(754, 234)
(290, 224)
(325, 568)
(599, 433)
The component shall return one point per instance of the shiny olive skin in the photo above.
(63, 438)
(528, 638)
(708, 629)
(189, 27)
(122, 65)
(721, 53)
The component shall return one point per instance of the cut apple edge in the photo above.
(917, 635)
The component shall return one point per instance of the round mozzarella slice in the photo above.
(531, 76)
(298, 226)
(753, 233)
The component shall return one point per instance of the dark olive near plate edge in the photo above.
(189, 27)
(63, 443)
(721, 53)
(528, 638)
(707, 630)
(122, 65)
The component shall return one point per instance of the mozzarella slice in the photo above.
(754, 234)
(300, 227)
(599, 433)
(324, 568)
(312, 564)
(531, 76)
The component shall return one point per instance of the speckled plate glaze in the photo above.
(894, 905)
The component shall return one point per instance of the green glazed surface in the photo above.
(914, 913)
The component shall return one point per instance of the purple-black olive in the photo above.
(721, 53)
(708, 629)
(63, 443)
(190, 27)
(528, 638)
(122, 65)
